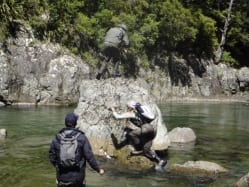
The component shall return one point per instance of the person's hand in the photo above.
(113, 109)
(101, 171)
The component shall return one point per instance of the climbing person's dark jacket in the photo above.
(143, 115)
(140, 116)
(84, 154)
(116, 37)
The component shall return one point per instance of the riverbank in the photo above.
(168, 100)
(218, 99)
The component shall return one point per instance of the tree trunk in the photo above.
(219, 51)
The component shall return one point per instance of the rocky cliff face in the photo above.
(39, 73)
(45, 73)
(214, 82)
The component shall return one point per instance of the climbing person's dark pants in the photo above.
(109, 53)
(141, 139)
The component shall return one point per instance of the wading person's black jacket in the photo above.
(84, 154)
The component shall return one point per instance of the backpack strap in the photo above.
(139, 108)
(70, 128)
(121, 37)
(139, 113)
(62, 133)
(64, 136)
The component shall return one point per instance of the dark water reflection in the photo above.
(222, 137)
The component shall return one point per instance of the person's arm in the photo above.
(126, 39)
(90, 156)
(52, 153)
(125, 115)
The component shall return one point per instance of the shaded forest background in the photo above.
(157, 28)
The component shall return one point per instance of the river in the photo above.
(222, 131)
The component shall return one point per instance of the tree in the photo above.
(219, 51)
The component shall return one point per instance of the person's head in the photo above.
(123, 26)
(131, 105)
(71, 120)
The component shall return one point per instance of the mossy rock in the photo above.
(133, 162)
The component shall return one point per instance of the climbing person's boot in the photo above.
(162, 163)
(98, 76)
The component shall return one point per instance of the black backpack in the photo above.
(142, 115)
(68, 149)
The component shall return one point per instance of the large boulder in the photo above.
(243, 78)
(182, 135)
(97, 121)
(227, 78)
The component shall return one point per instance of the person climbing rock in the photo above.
(140, 137)
(115, 43)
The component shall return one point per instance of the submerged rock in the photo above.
(243, 182)
(198, 168)
(182, 135)
(3, 133)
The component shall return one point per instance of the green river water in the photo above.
(222, 132)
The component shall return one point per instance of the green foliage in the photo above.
(90, 59)
(104, 17)
(85, 25)
(237, 43)
(145, 63)
(228, 59)
(155, 27)
(10, 10)
(238, 37)
(3, 31)
(206, 40)
(176, 24)
(137, 41)
(149, 29)
(118, 6)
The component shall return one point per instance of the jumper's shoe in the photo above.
(116, 75)
(128, 157)
(98, 76)
(160, 167)
(162, 163)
